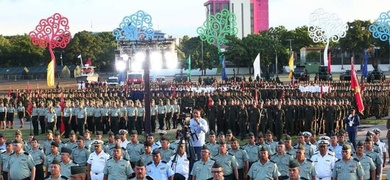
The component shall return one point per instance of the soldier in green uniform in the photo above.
(211, 114)
(146, 157)
(228, 162)
(153, 115)
(366, 162)
(212, 145)
(166, 152)
(201, 168)
(162, 114)
(131, 113)
(140, 171)
(117, 167)
(231, 116)
(241, 157)
(282, 160)
(169, 115)
(374, 154)
(330, 117)
(270, 143)
(80, 154)
(289, 111)
(134, 148)
(307, 168)
(20, 164)
(254, 118)
(347, 168)
(39, 158)
(264, 168)
(279, 119)
(66, 163)
(4, 158)
(55, 171)
(176, 113)
(53, 155)
(47, 142)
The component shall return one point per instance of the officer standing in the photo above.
(96, 161)
(366, 162)
(117, 167)
(162, 114)
(241, 158)
(4, 158)
(212, 145)
(20, 164)
(305, 164)
(66, 163)
(264, 168)
(352, 122)
(293, 170)
(347, 168)
(374, 155)
(165, 151)
(55, 171)
(158, 169)
(146, 157)
(51, 119)
(54, 154)
(201, 168)
(252, 149)
(134, 148)
(140, 171)
(323, 161)
(80, 154)
(39, 158)
(282, 159)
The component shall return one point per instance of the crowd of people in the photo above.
(265, 114)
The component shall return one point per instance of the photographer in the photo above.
(198, 129)
(352, 122)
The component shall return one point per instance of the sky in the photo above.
(174, 17)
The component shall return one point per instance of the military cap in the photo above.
(212, 132)
(360, 143)
(18, 132)
(341, 133)
(1, 135)
(139, 163)
(332, 134)
(72, 132)
(323, 142)
(346, 147)
(307, 134)
(149, 134)
(268, 132)
(17, 141)
(156, 151)
(110, 133)
(164, 138)
(376, 130)
(221, 133)
(281, 142)
(54, 144)
(133, 132)
(204, 147)
(301, 147)
(55, 161)
(123, 131)
(57, 133)
(250, 134)
(8, 142)
(301, 134)
(146, 143)
(370, 133)
(161, 132)
(216, 165)
(368, 139)
(49, 131)
(260, 135)
(263, 148)
(234, 139)
(87, 131)
(222, 142)
(324, 138)
(287, 137)
(229, 131)
(77, 170)
(293, 163)
(97, 142)
(117, 146)
(80, 138)
(66, 150)
(117, 136)
(99, 133)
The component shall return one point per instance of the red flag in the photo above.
(174, 92)
(329, 61)
(9, 92)
(256, 96)
(62, 104)
(283, 93)
(88, 62)
(243, 85)
(28, 87)
(209, 102)
(293, 82)
(355, 86)
(29, 109)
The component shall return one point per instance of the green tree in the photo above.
(358, 37)
(24, 53)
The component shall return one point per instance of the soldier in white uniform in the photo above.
(179, 162)
(158, 169)
(96, 161)
(323, 161)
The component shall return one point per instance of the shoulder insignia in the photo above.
(368, 155)
(75, 147)
(213, 159)
(26, 153)
(338, 160)
(149, 163)
(86, 147)
(242, 148)
(330, 154)
(231, 154)
(303, 178)
(356, 159)
(125, 159)
(64, 177)
(149, 178)
(109, 158)
(4, 152)
(160, 148)
(123, 148)
(309, 160)
(171, 148)
(164, 162)
(12, 153)
(272, 161)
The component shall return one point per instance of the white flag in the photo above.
(256, 66)
(79, 56)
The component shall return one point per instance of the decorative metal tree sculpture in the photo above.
(380, 29)
(326, 27)
(52, 32)
(216, 28)
(137, 26)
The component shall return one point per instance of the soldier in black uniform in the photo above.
(330, 117)
(289, 110)
(231, 115)
(242, 120)
(279, 117)
(221, 123)
(212, 113)
(254, 118)
(309, 115)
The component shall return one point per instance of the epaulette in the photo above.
(213, 159)
(149, 163)
(109, 158)
(26, 153)
(330, 154)
(3, 152)
(230, 154)
(338, 160)
(274, 154)
(160, 148)
(123, 149)
(86, 147)
(368, 155)
(75, 147)
(376, 150)
(315, 153)
(242, 148)
(171, 148)
(149, 178)
(12, 153)
(125, 159)
(64, 177)
(164, 162)
(330, 149)
(39, 148)
(309, 160)
(356, 159)
(272, 161)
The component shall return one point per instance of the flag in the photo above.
(29, 109)
(50, 73)
(355, 86)
(291, 65)
(9, 92)
(189, 68)
(62, 104)
(28, 87)
(256, 96)
(79, 56)
(223, 75)
(365, 62)
(329, 62)
(88, 63)
(174, 92)
(256, 66)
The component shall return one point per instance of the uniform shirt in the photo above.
(89, 110)
(367, 165)
(156, 145)
(131, 111)
(122, 111)
(337, 150)
(199, 130)
(282, 161)
(228, 163)
(324, 164)
(291, 152)
(117, 170)
(51, 117)
(202, 170)
(61, 177)
(268, 170)
(271, 146)
(71, 145)
(308, 150)
(252, 151)
(81, 113)
(42, 111)
(381, 147)
(80, 156)
(2, 147)
(65, 168)
(67, 112)
(134, 150)
(47, 146)
(241, 156)
(57, 111)
(307, 169)
(169, 108)
(3, 109)
(4, 158)
(161, 110)
(160, 172)
(50, 157)
(97, 112)
(104, 111)
(140, 112)
(35, 111)
(213, 147)
(98, 161)
(19, 166)
(166, 154)
(146, 158)
(38, 156)
(114, 112)
(21, 109)
(351, 170)
(109, 146)
(180, 164)
(175, 108)
(125, 154)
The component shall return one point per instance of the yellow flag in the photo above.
(291, 65)
(50, 73)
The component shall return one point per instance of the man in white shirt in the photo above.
(198, 129)
(96, 161)
(179, 163)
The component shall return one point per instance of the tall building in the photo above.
(251, 15)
